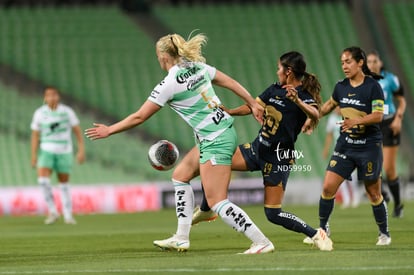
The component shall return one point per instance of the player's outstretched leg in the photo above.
(235, 217)
(291, 222)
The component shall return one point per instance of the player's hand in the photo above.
(258, 112)
(80, 157)
(224, 108)
(395, 126)
(34, 162)
(97, 132)
(308, 126)
(347, 124)
(291, 93)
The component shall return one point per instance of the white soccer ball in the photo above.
(163, 155)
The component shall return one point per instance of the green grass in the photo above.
(122, 244)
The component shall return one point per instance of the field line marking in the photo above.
(193, 270)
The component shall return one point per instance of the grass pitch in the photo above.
(122, 244)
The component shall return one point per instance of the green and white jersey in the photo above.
(55, 127)
(188, 90)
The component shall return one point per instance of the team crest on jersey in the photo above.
(247, 146)
(332, 163)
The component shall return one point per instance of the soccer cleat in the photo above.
(383, 239)
(203, 216)
(308, 240)
(70, 221)
(51, 218)
(260, 248)
(173, 243)
(322, 241)
(398, 211)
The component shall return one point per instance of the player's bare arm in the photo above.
(399, 114)
(80, 156)
(34, 147)
(223, 80)
(327, 107)
(102, 131)
(242, 110)
(348, 123)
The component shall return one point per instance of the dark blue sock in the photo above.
(394, 186)
(289, 221)
(204, 205)
(381, 217)
(325, 209)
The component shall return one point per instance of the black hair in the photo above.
(358, 54)
(296, 62)
(377, 54)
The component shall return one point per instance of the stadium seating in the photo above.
(121, 159)
(400, 19)
(98, 56)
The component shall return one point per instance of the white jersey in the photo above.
(188, 90)
(332, 125)
(55, 127)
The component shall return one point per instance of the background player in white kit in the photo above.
(51, 149)
(349, 188)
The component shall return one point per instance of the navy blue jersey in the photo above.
(283, 118)
(356, 102)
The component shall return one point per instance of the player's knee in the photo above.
(328, 191)
(373, 194)
(272, 215)
(185, 172)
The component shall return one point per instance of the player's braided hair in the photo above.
(296, 62)
(176, 46)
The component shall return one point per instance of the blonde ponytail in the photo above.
(176, 46)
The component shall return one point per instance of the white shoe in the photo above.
(70, 221)
(51, 218)
(179, 244)
(203, 216)
(308, 240)
(322, 241)
(260, 248)
(383, 239)
(355, 204)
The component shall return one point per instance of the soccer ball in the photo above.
(163, 155)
